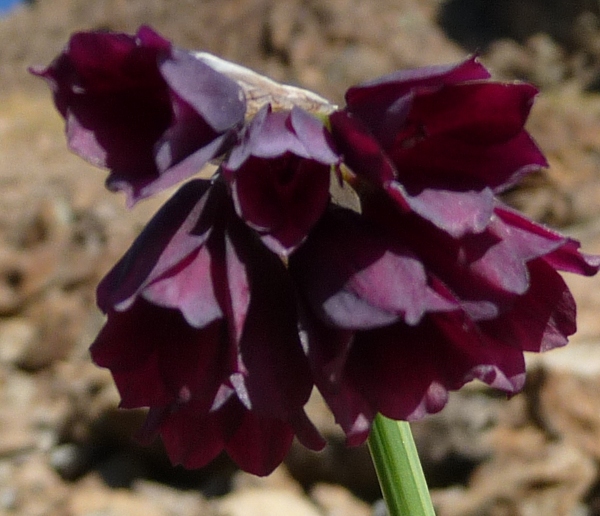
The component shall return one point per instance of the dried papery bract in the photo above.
(260, 90)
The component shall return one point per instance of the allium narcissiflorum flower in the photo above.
(150, 113)
(247, 290)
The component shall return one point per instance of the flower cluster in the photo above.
(247, 290)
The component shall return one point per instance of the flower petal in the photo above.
(260, 444)
(480, 112)
(356, 276)
(445, 162)
(193, 438)
(156, 358)
(327, 350)
(456, 213)
(406, 371)
(543, 318)
(152, 114)
(215, 97)
(179, 228)
(280, 176)
(395, 85)
(276, 378)
(361, 151)
(566, 256)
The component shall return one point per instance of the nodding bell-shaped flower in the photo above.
(363, 250)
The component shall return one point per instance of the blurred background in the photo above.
(65, 449)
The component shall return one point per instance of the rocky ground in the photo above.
(65, 449)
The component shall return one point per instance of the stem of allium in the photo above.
(399, 469)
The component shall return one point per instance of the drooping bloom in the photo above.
(205, 313)
(279, 175)
(429, 150)
(247, 290)
(149, 112)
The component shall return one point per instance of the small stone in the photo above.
(70, 460)
(173, 501)
(265, 502)
(380, 508)
(16, 337)
(338, 501)
(92, 498)
(8, 499)
(279, 479)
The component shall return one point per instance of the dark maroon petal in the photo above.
(188, 143)
(543, 318)
(273, 134)
(352, 411)
(182, 150)
(406, 372)
(447, 162)
(189, 287)
(490, 266)
(260, 444)
(275, 377)
(398, 84)
(362, 152)
(397, 365)
(485, 272)
(175, 232)
(503, 265)
(356, 276)
(485, 268)
(280, 176)
(384, 104)
(311, 132)
(156, 358)
(192, 438)
(496, 362)
(194, 435)
(269, 135)
(306, 432)
(207, 109)
(444, 134)
(447, 185)
(233, 274)
(327, 350)
(116, 104)
(216, 98)
(483, 112)
(150, 38)
(456, 213)
(151, 114)
(282, 198)
(194, 283)
(566, 257)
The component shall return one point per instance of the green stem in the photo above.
(399, 469)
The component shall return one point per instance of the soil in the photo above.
(65, 447)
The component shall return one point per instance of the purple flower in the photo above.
(435, 282)
(202, 316)
(442, 140)
(202, 328)
(246, 291)
(397, 312)
(150, 113)
(279, 176)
